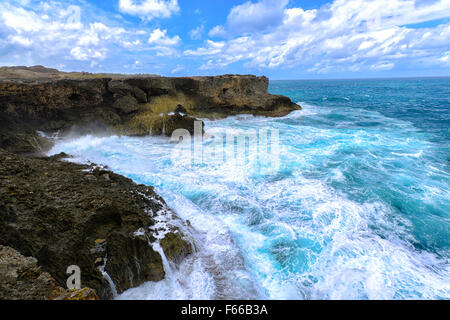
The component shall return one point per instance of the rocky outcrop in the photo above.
(61, 213)
(65, 214)
(22, 279)
(126, 105)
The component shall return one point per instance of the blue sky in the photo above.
(283, 39)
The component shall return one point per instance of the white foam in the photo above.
(286, 234)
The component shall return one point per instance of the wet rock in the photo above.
(51, 211)
(24, 143)
(175, 247)
(131, 262)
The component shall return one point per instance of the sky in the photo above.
(282, 39)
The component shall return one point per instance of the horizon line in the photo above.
(363, 78)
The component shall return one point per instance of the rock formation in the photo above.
(65, 214)
(126, 105)
(59, 213)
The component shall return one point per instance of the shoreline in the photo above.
(63, 213)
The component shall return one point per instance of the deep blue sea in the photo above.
(350, 201)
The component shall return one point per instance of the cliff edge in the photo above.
(42, 99)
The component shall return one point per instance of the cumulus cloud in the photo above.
(150, 9)
(345, 35)
(251, 17)
(340, 37)
(80, 53)
(160, 38)
(49, 32)
(163, 44)
(259, 16)
(211, 48)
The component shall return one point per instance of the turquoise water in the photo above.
(354, 203)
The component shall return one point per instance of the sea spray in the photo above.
(357, 209)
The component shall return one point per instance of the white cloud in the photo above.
(212, 48)
(196, 34)
(177, 69)
(80, 53)
(217, 31)
(345, 35)
(160, 38)
(50, 31)
(150, 9)
(259, 16)
(163, 44)
(23, 41)
(382, 66)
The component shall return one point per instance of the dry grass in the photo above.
(42, 73)
(141, 123)
(152, 111)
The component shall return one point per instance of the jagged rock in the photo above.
(66, 214)
(22, 279)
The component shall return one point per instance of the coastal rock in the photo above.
(65, 214)
(131, 262)
(167, 124)
(120, 89)
(47, 101)
(22, 279)
(175, 247)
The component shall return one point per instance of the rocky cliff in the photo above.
(65, 214)
(58, 213)
(126, 105)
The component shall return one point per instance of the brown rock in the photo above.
(22, 279)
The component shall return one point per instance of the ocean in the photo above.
(351, 200)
